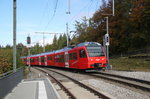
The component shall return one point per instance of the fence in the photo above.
(8, 82)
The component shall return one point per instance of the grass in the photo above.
(26, 71)
(130, 64)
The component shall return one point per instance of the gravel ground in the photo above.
(138, 75)
(116, 91)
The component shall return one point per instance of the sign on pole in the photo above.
(107, 39)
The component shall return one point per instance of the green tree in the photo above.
(55, 43)
(64, 40)
(60, 42)
(128, 29)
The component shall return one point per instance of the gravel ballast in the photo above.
(134, 74)
(116, 91)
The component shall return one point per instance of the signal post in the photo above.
(28, 43)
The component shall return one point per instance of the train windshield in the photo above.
(95, 51)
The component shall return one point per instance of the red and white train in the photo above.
(84, 56)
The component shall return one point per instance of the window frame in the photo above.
(82, 53)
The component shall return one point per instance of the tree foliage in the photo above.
(6, 58)
(128, 29)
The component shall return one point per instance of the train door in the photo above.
(45, 59)
(83, 59)
(66, 60)
(39, 60)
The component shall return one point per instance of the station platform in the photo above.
(40, 88)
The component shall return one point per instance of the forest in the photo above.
(129, 30)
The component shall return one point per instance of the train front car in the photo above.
(92, 56)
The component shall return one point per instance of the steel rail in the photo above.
(125, 82)
(99, 94)
(71, 96)
(124, 77)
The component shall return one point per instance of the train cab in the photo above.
(91, 56)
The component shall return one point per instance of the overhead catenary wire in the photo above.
(69, 20)
(90, 7)
(55, 9)
(97, 5)
(43, 14)
(76, 15)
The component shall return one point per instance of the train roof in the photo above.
(91, 44)
(51, 52)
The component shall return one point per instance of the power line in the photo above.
(81, 10)
(90, 6)
(44, 13)
(68, 12)
(55, 9)
(97, 4)
(76, 15)
(44, 37)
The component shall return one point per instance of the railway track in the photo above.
(101, 95)
(127, 81)
(128, 78)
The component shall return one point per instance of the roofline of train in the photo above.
(63, 49)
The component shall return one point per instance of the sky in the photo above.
(42, 16)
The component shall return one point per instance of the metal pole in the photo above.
(104, 43)
(43, 43)
(44, 38)
(107, 24)
(67, 34)
(107, 46)
(113, 8)
(14, 36)
(29, 58)
(69, 7)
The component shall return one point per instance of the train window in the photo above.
(45, 59)
(42, 59)
(95, 51)
(37, 59)
(82, 53)
(55, 58)
(74, 56)
(61, 58)
(49, 57)
(70, 56)
(31, 60)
